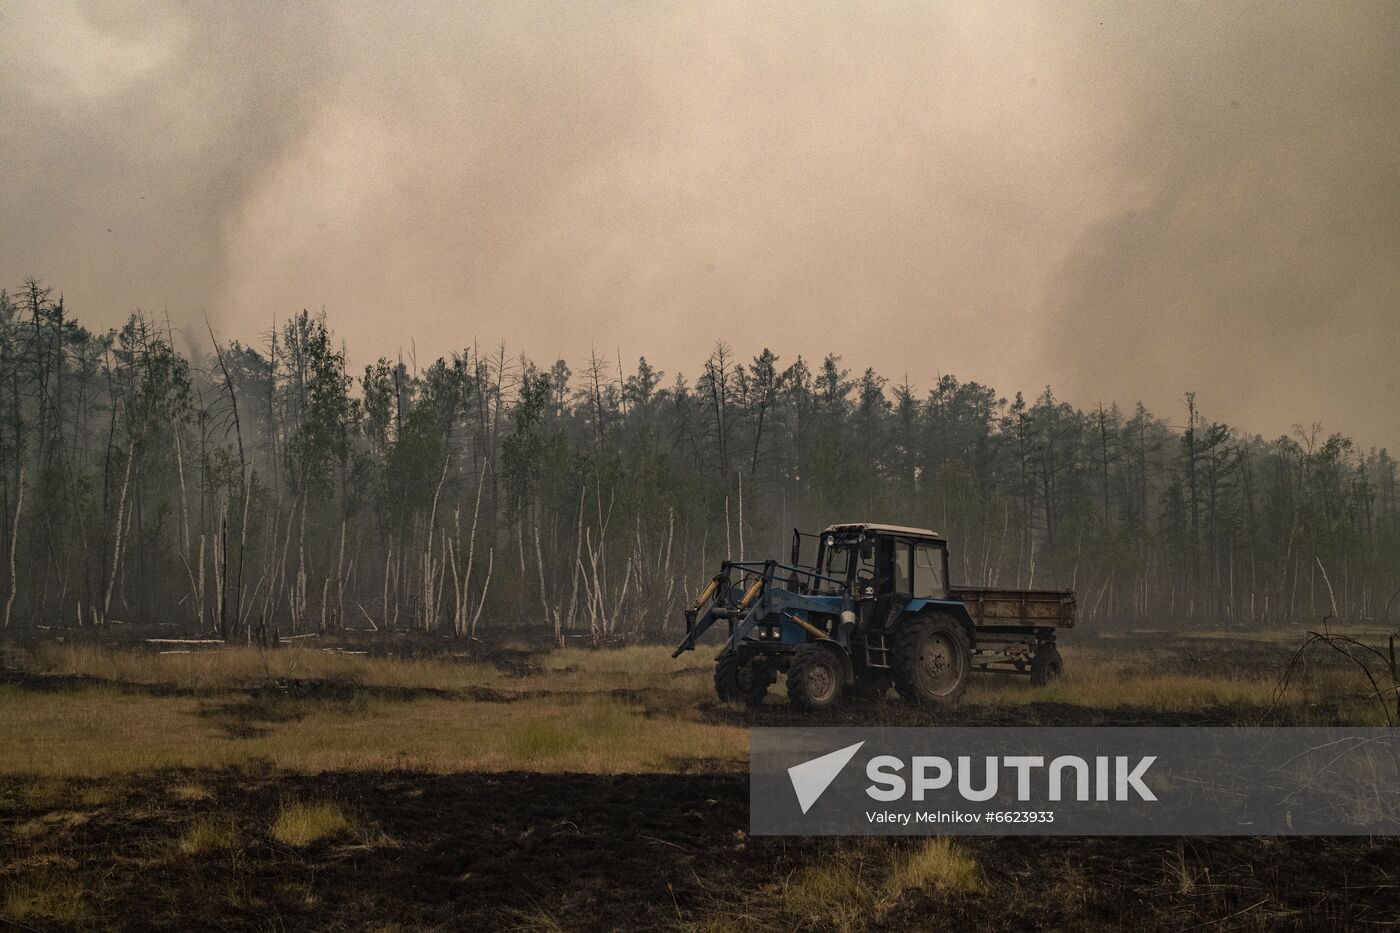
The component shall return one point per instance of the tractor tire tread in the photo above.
(727, 684)
(803, 660)
(1046, 665)
(905, 667)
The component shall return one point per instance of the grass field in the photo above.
(316, 788)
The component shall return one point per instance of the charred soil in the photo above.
(595, 852)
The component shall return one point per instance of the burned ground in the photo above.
(471, 840)
(512, 850)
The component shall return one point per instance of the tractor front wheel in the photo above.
(932, 661)
(815, 678)
(740, 679)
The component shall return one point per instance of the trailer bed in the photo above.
(991, 607)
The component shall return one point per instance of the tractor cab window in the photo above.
(838, 559)
(928, 572)
(899, 575)
(844, 559)
(865, 565)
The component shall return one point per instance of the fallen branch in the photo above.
(1345, 645)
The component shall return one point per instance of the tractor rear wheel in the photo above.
(815, 678)
(741, 679)
(932, 661)
(1046, 664)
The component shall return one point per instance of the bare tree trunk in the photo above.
(456, 585)
(14, 546)
(460, 623)
(578, 565)
(429, 573)
(117, 544)
(388, 564)
(1332, 596)
(552, 617)
(199, 586)
(299, 590)
(340, 574)
(196, 585)
(485, 588)
(741, 514)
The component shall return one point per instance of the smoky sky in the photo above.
(1126, 201)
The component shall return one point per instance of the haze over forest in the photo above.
(1126, 204)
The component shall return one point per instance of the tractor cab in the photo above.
(884, 566)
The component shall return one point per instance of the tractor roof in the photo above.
(884, 529)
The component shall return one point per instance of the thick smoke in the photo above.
(132, 133)
(1256, 259)
(1127, 203)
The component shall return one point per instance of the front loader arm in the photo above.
(697, 628)
(761, 600)
(697, 624)
(743, 627)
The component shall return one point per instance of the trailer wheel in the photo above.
(740, 679)
(1046, 664)
(932, 661)
(814, 680)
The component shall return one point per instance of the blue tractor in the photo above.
(873, 610)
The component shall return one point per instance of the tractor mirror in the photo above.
(867, 548)
(796, 548)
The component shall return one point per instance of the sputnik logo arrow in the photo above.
(811, 778)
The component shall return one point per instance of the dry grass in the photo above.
(1275, 634)
(1106, 679)
(233, 667)
(1101, 676)
(53, 820)
(832, 894)
(99, 732)
(207, 669)
(624, 710)
(1095, 687)
(851, 887)
(46, 897)
(534, 921)
(41, 793)
(1180, 874)
(637, 664)
(189, 792)
(1072, 885)
(940, 863)
(1096, 677)
(300, 824)
(103, 730)
(208, 834)
(97, 795)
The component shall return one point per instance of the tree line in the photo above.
(253, 488)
